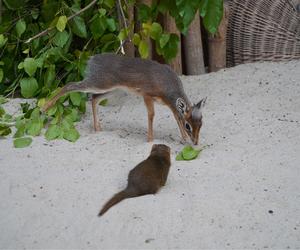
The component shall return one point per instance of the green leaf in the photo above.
(143, 49)
(4, 130)
(98, 27)
(20, 27)
(73, 116)
(82, 106)
(29, 87)
(144, 13)
(111, 24)
(189, 153)
(21, 65)
(35, 13)
(14, 4)
(3, 100)
(179, 157)
(7, 118)
(75, 98)
(213, 15)
(53, 132)
(67, 124)
(164, 40)
(30, 66)
(61, 23)
(155, 31)
(102, 12)
(49, 76)
(123, 34)
(34, 127)
(61, 38)
(1, 75)
(78, 27)
(3, 40)
(171, 48)
(22, 142)
(109, 3)
(103, 102)
(2, 111)
(203, 7)
(136, 39)
(20, 130)
(35, 114)
(71, 135)
(52, 111)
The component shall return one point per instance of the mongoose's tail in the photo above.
(116, 199)
(70, 87)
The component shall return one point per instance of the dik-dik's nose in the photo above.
(195, 141)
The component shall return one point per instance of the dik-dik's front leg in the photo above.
(150, 108)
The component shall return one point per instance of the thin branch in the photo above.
(0, 11)
(121, 47)
(82, 10)
(69, 18)
(123, 15)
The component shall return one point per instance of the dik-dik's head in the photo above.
(191, 118)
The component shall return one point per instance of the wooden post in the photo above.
(217, 44)
(170, 26)
(128, 46)
(193, 50)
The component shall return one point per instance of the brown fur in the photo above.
(153, 81)
(146, 178)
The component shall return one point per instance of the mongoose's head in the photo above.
(161, 150)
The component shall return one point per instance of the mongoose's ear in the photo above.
(197, 108)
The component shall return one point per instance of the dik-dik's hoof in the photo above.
(182, 141)
(97, 128)
(150, 139)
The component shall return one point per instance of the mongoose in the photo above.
(146, 178)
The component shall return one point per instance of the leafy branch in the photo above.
(45, 32)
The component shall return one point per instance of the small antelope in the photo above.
(153, 81)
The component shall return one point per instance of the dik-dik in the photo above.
(153, 81)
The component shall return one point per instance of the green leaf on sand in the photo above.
(22, 142)
(188, 153)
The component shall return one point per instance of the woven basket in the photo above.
(262, 30)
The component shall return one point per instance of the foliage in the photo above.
(188, 153)
(37, 68)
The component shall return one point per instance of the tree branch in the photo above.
(69, 18)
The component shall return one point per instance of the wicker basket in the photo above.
(262, 30)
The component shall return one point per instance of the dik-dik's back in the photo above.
(153, 81)
(109, 71)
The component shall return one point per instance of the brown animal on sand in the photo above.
(146, 178)
(153, 81)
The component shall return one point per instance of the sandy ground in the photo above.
(242, 192)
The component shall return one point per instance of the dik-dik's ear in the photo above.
(197, 108)
(182, 107)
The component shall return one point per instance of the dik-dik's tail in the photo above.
(116, 199)
(70, 87)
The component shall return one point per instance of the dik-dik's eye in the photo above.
(188, 127)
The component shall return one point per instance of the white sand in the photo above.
(51, 192)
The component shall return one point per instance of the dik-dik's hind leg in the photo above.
(95, 101)
(150, 108)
